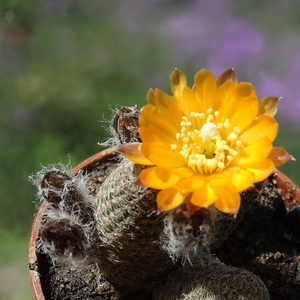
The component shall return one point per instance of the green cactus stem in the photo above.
(129, 228)
(211, 280)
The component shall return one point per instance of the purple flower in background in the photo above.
(282, 79)
(210, 35)
(193, 31)
(207, 34)
(55, 6)
(239, 44)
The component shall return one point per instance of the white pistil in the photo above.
(208, 130)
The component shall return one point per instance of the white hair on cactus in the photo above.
(72, 213)
(36, 178)
(179, 242)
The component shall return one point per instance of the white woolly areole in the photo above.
(180, 244)
(72, 208)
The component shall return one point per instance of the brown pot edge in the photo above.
(289, 191)
(34, 276)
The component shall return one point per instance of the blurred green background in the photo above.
(65, 64)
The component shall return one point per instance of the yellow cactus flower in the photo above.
(207, 143)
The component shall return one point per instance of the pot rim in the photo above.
(34, 275)
(290, 192)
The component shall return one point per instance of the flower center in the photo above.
(207, 146)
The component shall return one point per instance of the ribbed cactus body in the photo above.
(129, 228)
(211, 280)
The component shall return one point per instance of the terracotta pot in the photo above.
(290, 192)
(34, 274)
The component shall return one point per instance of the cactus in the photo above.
(143, 253)
(129, 229)
(211, 280)
(67, 233)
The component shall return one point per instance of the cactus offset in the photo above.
(67, 232)
(211, 280)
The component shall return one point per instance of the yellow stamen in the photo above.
(202, 145)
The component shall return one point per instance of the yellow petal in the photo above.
(151, 116)
(255, 153)
(133, 152)
(235, 95)
(262, 170)
(263, 126)
(205, 89)
(162, 157)
(169, 198)
(244, 113)
(204, 196)
(183, 172)
(219, 179)
(279, 156)
(196, 181)
(190, 183)
(178, 82)
(228, 75)
(223, 92)
(158, 178)
(151, 97)
(268, 106)
(171, 107)
(190, 100)
(151, 134)
(228, 201)
(241, 178)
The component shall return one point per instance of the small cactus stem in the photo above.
(126, 124)
(67, 232)
(211, 280)
(129, 228)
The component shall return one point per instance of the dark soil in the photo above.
(61, 282)
(266, 242)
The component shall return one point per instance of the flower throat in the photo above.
(206, 145)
